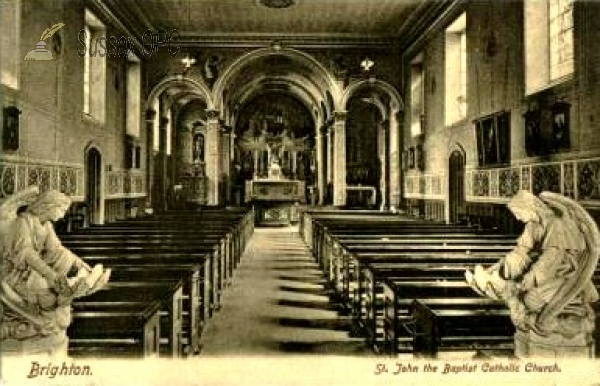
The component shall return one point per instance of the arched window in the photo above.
(10, 27)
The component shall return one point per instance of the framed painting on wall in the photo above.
(534, 143)
(561, 137)
(10, 128)
(493, 139)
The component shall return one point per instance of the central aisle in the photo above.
(278, 304)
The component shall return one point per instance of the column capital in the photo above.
(212, 114)
(322, 130)
(164, 121)
(150, 115)
(340, 116)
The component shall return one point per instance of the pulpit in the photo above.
(275, 199)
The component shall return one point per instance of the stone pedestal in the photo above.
(528, 344)
(54, 345)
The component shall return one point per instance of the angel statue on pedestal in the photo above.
(40, 278)
(546, 280)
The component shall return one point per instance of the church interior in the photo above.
(297, 176)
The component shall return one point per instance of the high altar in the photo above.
(275, 198)
(275, 154)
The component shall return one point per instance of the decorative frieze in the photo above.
(578, 179)
(17, 174)
(125, 184)
(424, 186)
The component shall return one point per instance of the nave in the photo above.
(278, 304)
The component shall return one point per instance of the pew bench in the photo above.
(118, 329)
(460, 324)
(169, 293)
(191, 300)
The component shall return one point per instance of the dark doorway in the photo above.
(94, 186)
(457, 186)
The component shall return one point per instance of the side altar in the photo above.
(275, 198)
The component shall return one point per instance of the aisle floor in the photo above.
(278, 305)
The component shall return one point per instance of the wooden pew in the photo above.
(463, 321)
(199, 264)
(309, 217)
(161, 250)
(169, 293)
(336, 259)
(191, 298)
(372, 298)
(126, 329)
(459, 324)
(352, 269)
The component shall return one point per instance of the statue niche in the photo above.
(40, 278)
(198, 148)
(546, 280)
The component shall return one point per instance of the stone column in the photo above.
(321, 169)
(330, 136)
(394, 160)
(162, 164)
(339, 159)
(150, 117)
(383, 161)
(226, 163)
(255, 159)
(185, 139)
(294, 164)
(213, 146)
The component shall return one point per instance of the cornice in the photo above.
(242, 40)
(113, 15)
(434, 18)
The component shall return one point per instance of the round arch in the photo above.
(94, 181)
(376, 83)
(191, 85)
(244, 60)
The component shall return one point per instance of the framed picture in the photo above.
(419, 157)
(534, 142)
(10, 128)
(561, 138)
(493, 139)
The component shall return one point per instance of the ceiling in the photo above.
(200, 21)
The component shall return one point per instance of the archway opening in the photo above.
(274, 127)
(365, 150)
